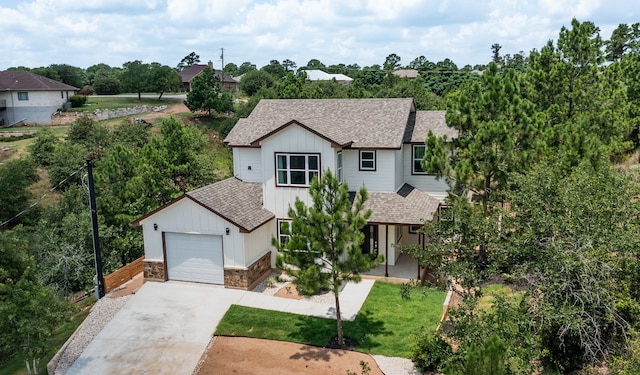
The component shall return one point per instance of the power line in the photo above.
(42, 197)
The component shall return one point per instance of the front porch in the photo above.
(406, 267)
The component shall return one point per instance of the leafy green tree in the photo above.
(417, 62)
(15, 178)
(255, 80)
(575, 240)
(191, 59)
(231, 69)
(30, 311)
(207, 95)
(392, 62)
(163, 78)
(71, 75)
(276, 69)
(109, 85)
(314, 64)
(291, 86)
(246, 67)
(43, 146)
(289, 65)
(92, 135)
(323, 251)
(624, 39)
(135, 77)
(65, 163)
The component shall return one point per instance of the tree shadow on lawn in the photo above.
(365, 330)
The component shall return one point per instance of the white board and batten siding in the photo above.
(258, 242)
(188, 217)
(427, 183)
(247, 164)
(382, 179)
(292, 139)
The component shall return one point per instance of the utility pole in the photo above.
(222, 58)
(99, 280)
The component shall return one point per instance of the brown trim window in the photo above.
(284, 230)
(296, 169)
(417, 153)
(367, 160)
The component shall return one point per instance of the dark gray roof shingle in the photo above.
(361, 123)
(408, 206)
(236, 201)
(23, 80)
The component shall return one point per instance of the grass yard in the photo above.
(16, 365)
(114, 102)
(490, 291)
(382, 326)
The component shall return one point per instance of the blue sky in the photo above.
(86, 32)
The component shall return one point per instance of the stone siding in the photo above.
(249, 277)
(103, 114)
(153, 270)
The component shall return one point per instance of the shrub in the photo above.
(87, 90)
(78, 100)
(430, 352)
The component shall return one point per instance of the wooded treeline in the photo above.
(543, 141)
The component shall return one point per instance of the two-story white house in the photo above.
(221, 233)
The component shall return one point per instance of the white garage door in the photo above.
(194, 257)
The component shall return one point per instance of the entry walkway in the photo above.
(166, 327)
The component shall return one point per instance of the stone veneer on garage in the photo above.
(237, 278)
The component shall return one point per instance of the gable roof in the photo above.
(435, 121)
(190, 72)
(355, 123)
(236, 201)
(408, 206)
(12, 80)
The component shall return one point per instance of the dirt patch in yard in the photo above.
(247, 356)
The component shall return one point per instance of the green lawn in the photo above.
(16, 365)
(382, 326)
(114, 102)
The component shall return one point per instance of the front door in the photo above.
(370, 243)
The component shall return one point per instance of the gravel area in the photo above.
(101, 313)
(272, 284)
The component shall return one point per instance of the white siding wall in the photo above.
(387, 243)
(186, 216)
(245, 158)
(294, 139)
(258, 242)
(38, 109)
(426, 183)
(399, 168)
(382, 179)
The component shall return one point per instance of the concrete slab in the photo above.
(165, 327)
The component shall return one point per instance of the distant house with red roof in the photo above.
(30, 98)
(226, 82)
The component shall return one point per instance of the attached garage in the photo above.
(194, 257)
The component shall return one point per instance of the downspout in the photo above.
(13, 108)
(386, 251)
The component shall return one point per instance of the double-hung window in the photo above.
(417, 155)
(296, 169)
(284, 230)
(23, 95)
(367, 160)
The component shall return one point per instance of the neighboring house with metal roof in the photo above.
(30, 98)
(222, 233)
(319, 75)
(227, 83)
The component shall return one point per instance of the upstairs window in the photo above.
(23, 95)
(417, 155)
(367, 160)
(296, 169)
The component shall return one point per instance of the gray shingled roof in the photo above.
(409, 206)
(361, 123)
(236, 201)
(429, 120)
(190, 72)
(23, 80)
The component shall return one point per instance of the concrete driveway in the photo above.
(165, 327)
